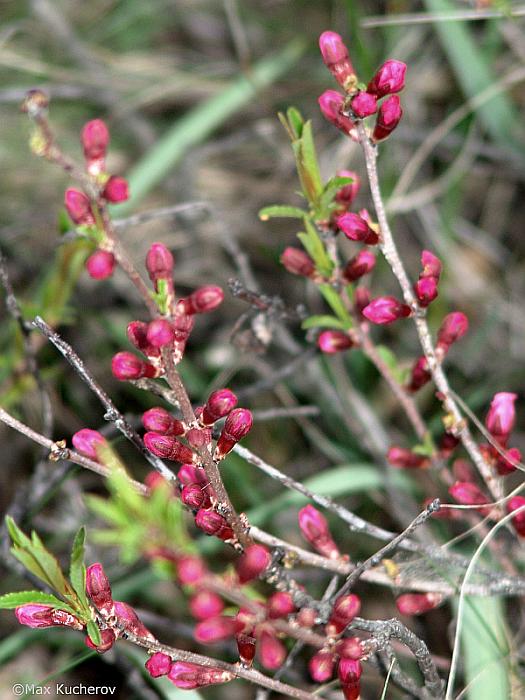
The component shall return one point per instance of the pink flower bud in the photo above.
(462, 470)
(215, 629)
(385, 310)
(159, 263)
(253, 562)
(321, 666)
(330, 103)
(190, 570)
(129, 619)
(501, 416)
(507, 465)
(364, 104)
(519, 520)
(431, 265)
(420, 374)
(158, 420)
(349, 672)
(350, 648)
(101, 264)
(346, 195)
(199, 437)
(315, 530)
(36, 615)
(190, 474)
(356, 228)
(453, 327)
(272, 652)
(116, 190)
(108, 637)
(468, 494)
(417, 603)
(168, 447)
(297, 262)
(406, 459)
(426, 290)
(360, 265)
(335, 57)
(137, 332)
(206, 604)
(195, 497)
(346, 607)
(218, 405)
(160, 333)
(331, 342)
(280, 604)
(89, 442)
(127, 366)
(246, 646)
(389, 78)
(189, 676)
(306, 617)
(213, 523)
(158, 665)
(388, 117)
(94, 139)
(237, 425)
(99, 589)
(202, 300)
(361, 300)
(448, 444)
(78, 207)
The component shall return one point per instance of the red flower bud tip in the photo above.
(158, 420)
(321, 666)
(272, 652)
(160, 333)
(280, 605)
(330, 103)
(297, 262)
(189, 676)
(255, 559)
(137, 332)
(190, 474)
(315, 530)
(95, 140)
(218, 405)
(159, 263)
(129, 619)
(388, 117)
(417, 603)
(108, 637)
(237, 425)
(78, 207)
(336, 59)
(346, 195)
(345, 609)
(331, 342)
(36, 615)
(448, 444)
(194, 497)
(99, 589)
(431, 265)
(364, 104)
(212, 523)
(89, 442)
(356, 228)
(190, 570)
(508, 464)
(246, 646)
(468, 494)
(215, 629)
(349, 672)
(426, 290)
(420, 374)
(361, 300)
(306, 617)
(168, 447)
(389, 78)
(101, 264)
(385, 310)
(406, 459)
(202, 300)
(116, 190)
(360, 265)
(350, 648)
(127, 366)
(158, 665)
(501, 416)
(206, 604)
(519, 520)
(453, 327)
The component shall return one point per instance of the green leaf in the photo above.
(335, 302)
(94, 633)
(322, 321)
(77, 568)
(296, 121)
(50, 565)
(330, 190)
(392, 363)
(13, 600)
(315, 248)
(280, 211)
(427, 448)
(307, 165)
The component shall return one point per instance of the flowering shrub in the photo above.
(262, 604)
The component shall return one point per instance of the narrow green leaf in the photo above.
(315, 248)
(330, 190)
(307, 165)
(77, 568)
(280, 211)
(13, 600)
(17, 536)
(296, 121)
(94, 633)
(322, 321)
(50, 565)
(391, 362)
(107, 510)
(335, 302)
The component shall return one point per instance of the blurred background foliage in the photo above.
(190, 90)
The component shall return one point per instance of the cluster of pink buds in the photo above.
(346, 659)
(356, 104)
(500, 421)
(185, 675)
(426, 288)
